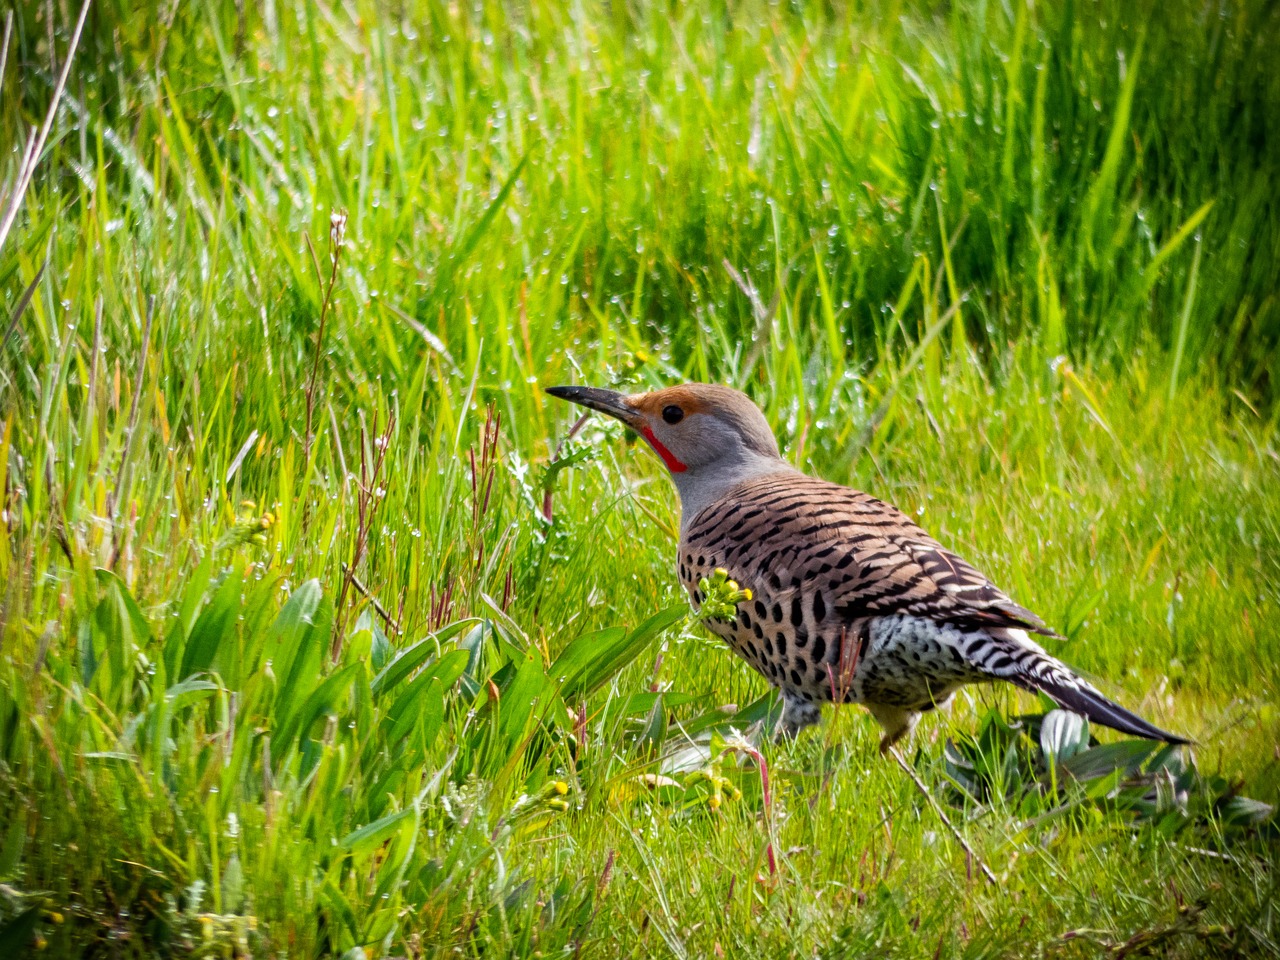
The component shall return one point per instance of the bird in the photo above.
(845, 598)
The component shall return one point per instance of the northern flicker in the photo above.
(851, 601)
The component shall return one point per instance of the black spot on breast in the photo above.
(759, 631)
(819, 648)
(795, 677)
(702, 561)
(782, 644)
(688, 558)
(777, 613)
(797, 614)
(761, 610)
(819, 607)
(768, 644)
(744, 618)
(802, 638)
(751, 649)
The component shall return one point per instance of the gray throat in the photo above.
(699, 487)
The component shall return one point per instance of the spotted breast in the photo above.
(852, 602)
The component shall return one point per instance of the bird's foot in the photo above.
(897, 723)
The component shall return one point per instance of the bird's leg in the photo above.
(896, 721)
(796, 715)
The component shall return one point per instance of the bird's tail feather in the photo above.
(1077, 696)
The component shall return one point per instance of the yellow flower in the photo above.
(721, 596)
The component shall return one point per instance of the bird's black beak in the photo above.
(606, 401)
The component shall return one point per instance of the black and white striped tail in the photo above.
(1031, 668)
(1081, 698)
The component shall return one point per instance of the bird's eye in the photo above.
(672, 414)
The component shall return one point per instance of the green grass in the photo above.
(1013, 268)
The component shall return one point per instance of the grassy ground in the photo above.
(1014, 268)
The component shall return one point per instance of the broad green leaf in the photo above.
(444, 671)
(340, 914)
(382, 650)
(474, 642)
(323, 699)
(409, 659)
(132, 623)
(432, 716)
(591, 660)
(522, 703)
(189, 691)
(192, 597)
(119, 632)
(214, 627)
(88, 655)
(175, 698)
(260, 609)
(296, 646)
(654, 732)
(572, 669)
(765, 710)
(193, 593)
(373, 835)
(1126, 757)
(175, 645)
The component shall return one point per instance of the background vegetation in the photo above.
(311, 644)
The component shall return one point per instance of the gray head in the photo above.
(710, 437)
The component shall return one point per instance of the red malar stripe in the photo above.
(669, 458)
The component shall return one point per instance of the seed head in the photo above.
(337, 232)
